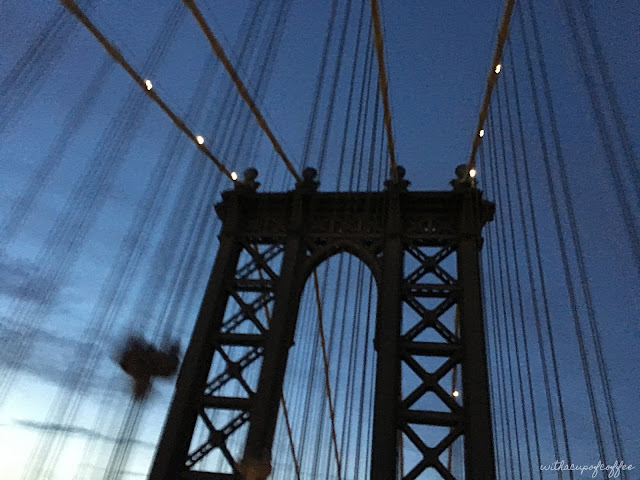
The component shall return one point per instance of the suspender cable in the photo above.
(503, 33)
(361, 405)
(144, 84)
(573, 229)
(363, 102)
(359, 144)
(508, 222)
(383, 84)
(345, 131)
(29, 74)
(242, 90)
(493, 346)
(518, 277)
(533, 249)
(63, 240)
(334, 89)
(343, 334)
(351, 381)
(617, 174)
(325, 361)
(23, 207)
(498, 377)
(502, 329)
(313, 116)
(632, 164)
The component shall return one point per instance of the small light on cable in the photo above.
(200, 139)
(481, 133)
(148, 84)
(234, 176)
(498, 68)
(455, 393)
(472, 173)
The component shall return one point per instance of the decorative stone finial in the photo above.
(464, 178)
(248, 182)
(308, 182)
(399, 186)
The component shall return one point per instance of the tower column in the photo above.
(256, 462)
(384, 448)
(306, 227)
(178, 430)
(478, 437)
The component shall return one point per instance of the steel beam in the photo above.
(306, 227)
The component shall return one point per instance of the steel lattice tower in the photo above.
(304, 227)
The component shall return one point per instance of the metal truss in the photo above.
(230, 383)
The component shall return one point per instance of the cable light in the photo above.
(200, 139)
(455, 393)
(472, 173)
(498, 68)
(234, 176)
(148, 84)
(481, 133)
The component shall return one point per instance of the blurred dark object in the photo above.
(142, 362)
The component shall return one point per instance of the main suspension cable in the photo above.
(219, 52)
(146, 85)
(242, 90)
(383, 84)
(503, 34)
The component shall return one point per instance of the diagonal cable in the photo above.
(383, 84)
(242, 89)
(73, 7)
(503, 33)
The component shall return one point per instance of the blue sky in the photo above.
(438, 54)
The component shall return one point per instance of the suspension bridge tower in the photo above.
(304, 227)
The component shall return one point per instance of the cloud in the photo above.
(75, 430)
(28, 350)
(51, 357)
(23, 280)
(99, 471)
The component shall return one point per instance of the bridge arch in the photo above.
(348, 317)
(309, 228)
(326, 252)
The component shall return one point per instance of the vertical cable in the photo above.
(572, 223)
(517, 272)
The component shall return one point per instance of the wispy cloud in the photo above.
(23, 280)
(50, 356)
(76, 430)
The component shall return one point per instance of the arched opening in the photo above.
(325, 420)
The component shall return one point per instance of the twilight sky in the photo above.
(63, 264)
